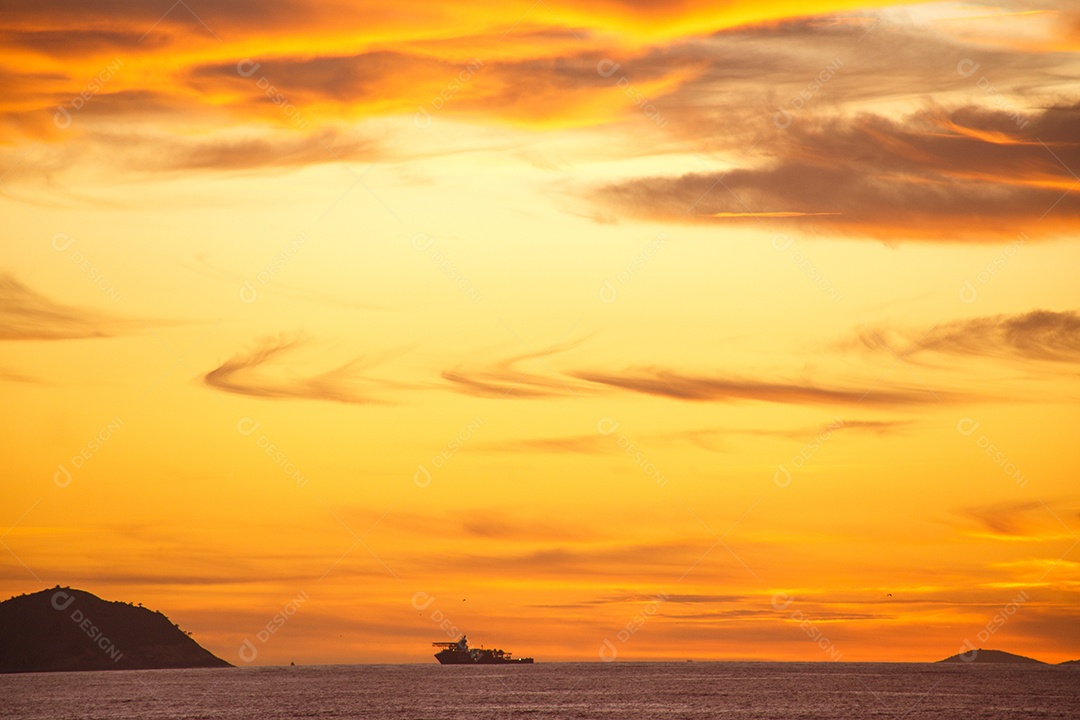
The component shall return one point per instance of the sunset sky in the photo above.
(593, 329)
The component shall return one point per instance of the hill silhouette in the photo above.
(980, 656)
(66, 629)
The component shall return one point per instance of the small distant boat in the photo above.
(459, 653)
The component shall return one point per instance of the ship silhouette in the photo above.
(459, 653)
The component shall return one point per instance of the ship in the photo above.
(459, 653)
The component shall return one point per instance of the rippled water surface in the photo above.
(554, 690)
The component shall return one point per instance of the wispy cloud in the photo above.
(1010, 518)
(1020, 520)
(26, 314)
(672, 384)
(711, 439)
(246, 374)
(1037, 335)
(506, 378)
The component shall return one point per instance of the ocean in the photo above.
(748, 691)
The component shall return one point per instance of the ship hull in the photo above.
(452, 658)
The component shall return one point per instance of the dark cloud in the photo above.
(471, 84)
(1036, 335)
(64, 43)
(667, 383)
(139, 18)
(715, 92)
(242, 374)
(342, 78)
(966, 174)
(26, 314)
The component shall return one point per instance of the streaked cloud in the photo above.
(1027, 520)
(963, 174)
(528, 375)
(26, 314)
(246, 373)
(712, 439)
(1036, 335)
(672, 384)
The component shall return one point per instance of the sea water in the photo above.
(776, 691)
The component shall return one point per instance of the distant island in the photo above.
(63, 629)
(995, 657)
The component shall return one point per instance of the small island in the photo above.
(64, 629)
(994, 657)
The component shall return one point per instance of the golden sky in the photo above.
(607, 329)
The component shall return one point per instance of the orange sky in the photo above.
(594, 330)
